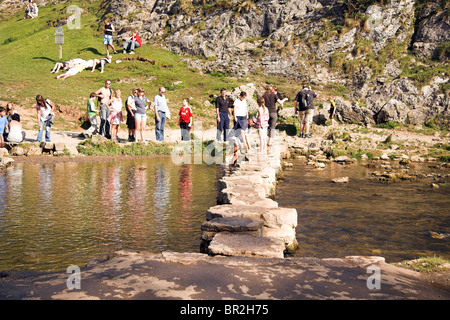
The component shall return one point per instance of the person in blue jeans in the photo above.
(162, 113)
(223, 115)
(3, 126)
(44, 112)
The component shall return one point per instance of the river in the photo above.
(53, 215)
(366, 216)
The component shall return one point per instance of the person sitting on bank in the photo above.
(132, 43)
(16, 134)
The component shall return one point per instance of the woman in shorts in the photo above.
(141, 103)
(108, 37)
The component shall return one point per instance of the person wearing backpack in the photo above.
(45, 116)
(305, 102)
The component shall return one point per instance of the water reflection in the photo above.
(54, 215)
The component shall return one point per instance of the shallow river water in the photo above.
(53, 215)
(365, 216)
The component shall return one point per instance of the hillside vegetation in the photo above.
(28, 54)
(386, 61)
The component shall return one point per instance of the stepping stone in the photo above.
(231, 224)
(244, 245)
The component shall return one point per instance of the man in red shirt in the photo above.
(132, 43)
(185, 120)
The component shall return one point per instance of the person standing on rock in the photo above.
(104, 94)
(270, 101)
(305, 102)
(92, 116)
(185, 120)
(130, 106)
(240, 117)
(223, 115)
(115, 117)
(262, 123)
(44, 112)
(162, 113)
(140, 115)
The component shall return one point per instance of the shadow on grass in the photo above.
(92, 50)
(44, 58)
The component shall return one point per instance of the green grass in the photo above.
(110, 148)
(427, 264)
(29, 52)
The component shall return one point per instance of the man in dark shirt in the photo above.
(271, 100)
(223, 114)
(305, 102)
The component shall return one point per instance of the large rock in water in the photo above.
(246, 245)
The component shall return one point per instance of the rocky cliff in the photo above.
(384, 60)
(387, 59)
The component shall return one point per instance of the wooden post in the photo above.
(60, 51)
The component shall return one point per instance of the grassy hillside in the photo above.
(28, 53)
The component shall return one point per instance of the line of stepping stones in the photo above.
(246, 221)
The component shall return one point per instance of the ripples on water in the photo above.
(53, 215)
(366, 217)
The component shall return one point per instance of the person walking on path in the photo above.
(270, 101)
(332, 109)
(141, 104)
(223, 115)
(240, 118)
(105, 94)
(185, 120)
(305, 102)
(92, 116)
(44, 113)
(108, 37)
(130, 106)
(162, 113)
(116, 116)
(262, 123)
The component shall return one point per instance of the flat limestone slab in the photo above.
(232, 224)
(244, 245)
(272, 217)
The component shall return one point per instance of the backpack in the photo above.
(302, 99)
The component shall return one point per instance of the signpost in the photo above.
(59, 40)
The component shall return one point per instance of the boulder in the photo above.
(246, 246)
(4, 152)
(33, 151)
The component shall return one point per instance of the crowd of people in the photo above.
(107, 104)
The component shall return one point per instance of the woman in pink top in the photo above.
(262, 124)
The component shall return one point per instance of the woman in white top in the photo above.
(240, 111)
(116, 116)
(44, 112)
